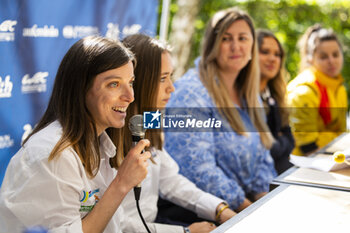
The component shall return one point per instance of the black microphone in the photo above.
(136, 128)
(137, 133)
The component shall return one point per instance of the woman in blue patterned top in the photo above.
(235, 163)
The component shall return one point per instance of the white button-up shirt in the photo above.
(55, 194)
(163, 178)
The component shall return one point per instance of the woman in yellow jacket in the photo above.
(317, 96)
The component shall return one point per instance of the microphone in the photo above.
(137, 133)
(136, 128)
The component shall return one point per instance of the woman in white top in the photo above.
(153, 88)
(64, 177)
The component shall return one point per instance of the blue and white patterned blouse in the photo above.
(224, 163)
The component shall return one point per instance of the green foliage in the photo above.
(288, 19)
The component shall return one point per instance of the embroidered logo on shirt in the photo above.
(86, 196)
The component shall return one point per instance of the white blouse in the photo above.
(55, 194)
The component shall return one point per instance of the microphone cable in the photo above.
(137, 192)
(137, 133)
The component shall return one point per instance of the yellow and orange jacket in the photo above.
(318, 106)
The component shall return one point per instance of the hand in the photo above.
(130, 173)
(259, 195)
(244, 205)
(134, 167)
(201, 227)
(226, 214)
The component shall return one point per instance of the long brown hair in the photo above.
(247, 82)
(277, 85)
(86, 59)
(148, 52)
(309, 42)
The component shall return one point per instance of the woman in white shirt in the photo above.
(64, 177)
(153, 87)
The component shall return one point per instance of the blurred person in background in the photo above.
(273, 94)
(153, 88)
(235, 163)
(317, 96)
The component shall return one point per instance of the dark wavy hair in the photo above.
(86, 59)
(278, 84)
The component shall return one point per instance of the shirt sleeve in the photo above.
(265, 172)
(194, 153)
(303, 115)
(178, 189)
(283, 145)
(45, 193)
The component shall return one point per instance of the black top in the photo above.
(284, 143)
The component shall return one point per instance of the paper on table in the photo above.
(340, 144)
(339, 178)
(322, 162)
(299, 209)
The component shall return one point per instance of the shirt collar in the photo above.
(107, 147)
(326, 80)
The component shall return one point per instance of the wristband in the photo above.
(217, 218)
(187, 230)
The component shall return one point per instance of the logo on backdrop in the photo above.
(5, 87)
(27, 130)
(36, 31)
(37, 83)
(133, 29)
(6, 141)
(113, 30)
(72, 32)
(7, 30)
(151, 120)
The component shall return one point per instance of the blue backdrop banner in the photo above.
(34, 36)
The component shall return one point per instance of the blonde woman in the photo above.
(235, 163)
